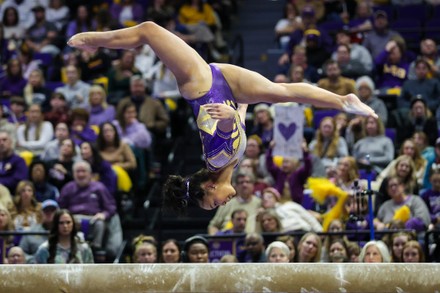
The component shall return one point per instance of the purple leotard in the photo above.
(219, 148)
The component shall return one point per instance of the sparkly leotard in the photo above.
(219, 148)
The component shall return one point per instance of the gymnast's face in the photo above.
(216, 195)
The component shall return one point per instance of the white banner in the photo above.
(288, 130)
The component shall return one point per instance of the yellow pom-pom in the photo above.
(171, 104)
(403, 214)
(278, 161)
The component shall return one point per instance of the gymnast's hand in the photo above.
(220, 111)
(353, 105)
(79, 41)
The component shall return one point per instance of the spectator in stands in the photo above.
(195, 250)
(429, 52)
(170, 251)
(285, 26)
(7, 224)
(432, 197)
(361, 22)
(13, 83)
(36, 92)
(408, 148)
(11, 25)
(356, 51)
(91, 201)
(309, 248)
(30, 243)
(60, 169)
(254, 249)
(101, 169)
(412, 252)
(245, 199)
(238, 220)
(338, 251)
(127, 12)
(13, 167)
(6, 199)
(17, 113)
(16, 256)
(58, 13)
(94, 65)
(24, 9)
(27, 208)
(158, 9)
(131, 131)
(83, 22)
(379, 147)
(145, 252)
(290, 242)
(59, 109)
(35, 133)
(409, 209)
(75, 91)
(292, 215)
(268, 222)
(263, 124)
(347, 172)
(5, 124)
(119, 77)
(418, 118)
(365, 88)
(391, 65)
(52, 148)
(277, 252)
(113, 150)
(404, 168)
(375, 252)
(375, 41)
(80, 130)
(297, 57)
(350, 68)
(328, 145)
(254, 152)
(39, 174)
(100, 111)
(422, 144)
(42, 36)
(428, 88)
(316, 50)
(64, 245)
(150, 111)
(398, 241)
(334, 82)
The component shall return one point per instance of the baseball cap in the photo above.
(49, 203)
(380, 13)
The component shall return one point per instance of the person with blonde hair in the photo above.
(413, 252)
(309, 248)
(27, 209)
(100, 111)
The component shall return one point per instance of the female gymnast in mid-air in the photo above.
(219, 95)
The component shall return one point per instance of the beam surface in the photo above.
(136, 278)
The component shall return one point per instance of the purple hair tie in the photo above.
(187, 189)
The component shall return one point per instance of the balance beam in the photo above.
(137, 278)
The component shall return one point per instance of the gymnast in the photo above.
(219, 95)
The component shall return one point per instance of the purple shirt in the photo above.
(390, 75)
(432, 200)
(13, 169)
(296, 179)
(135, 134)
(99, 115)
(89, 200)
(219, 148)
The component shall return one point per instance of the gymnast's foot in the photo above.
(353, 105)
(79, 41)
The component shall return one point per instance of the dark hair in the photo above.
(53, 238)
(190, 241)
(101, 143)
(171, 240)
(73, 146)
(17, 17)
(36, 163)
(238, 211)
(79, 113)
(122, 107)
(96, 156)
(176, 194)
